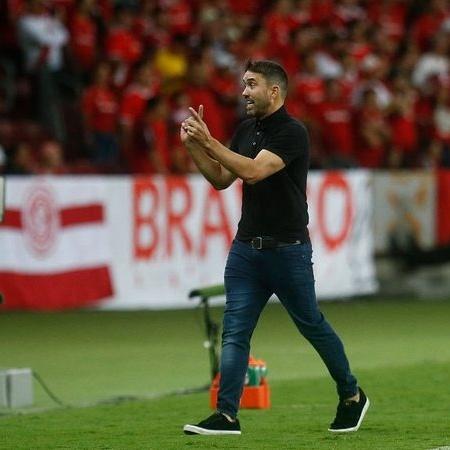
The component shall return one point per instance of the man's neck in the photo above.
(271, 110)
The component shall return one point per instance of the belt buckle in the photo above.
(257, 243)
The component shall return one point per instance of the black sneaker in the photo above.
(216, 424)
(350, 414)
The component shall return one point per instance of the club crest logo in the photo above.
(40, 218)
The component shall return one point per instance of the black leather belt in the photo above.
(264, 242)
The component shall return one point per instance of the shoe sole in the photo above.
(193, 429)
(355, 428)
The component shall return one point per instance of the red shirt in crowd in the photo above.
(83, 32)
(426, 26)
(404, 133)
(359, 50)
(225, 87)
(248, 7)
(321, 11)
(100, 108)
(151, 140)
(310, 89)
(213, 112)
(279, 28)
(390, 16)
(133, 102)
(180, 17)
(122, 45)
(335, 118)
(370, 154)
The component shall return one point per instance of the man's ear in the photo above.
(275, 91)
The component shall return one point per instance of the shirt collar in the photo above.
(273, 119)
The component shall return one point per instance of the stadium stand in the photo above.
(101, 86)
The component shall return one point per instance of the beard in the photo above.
(258, 108)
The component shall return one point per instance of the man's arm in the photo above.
(211, 169)
(249, 170)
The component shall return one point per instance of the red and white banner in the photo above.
(180, 229)
(340, 212)
(54, 244)
(66, 241)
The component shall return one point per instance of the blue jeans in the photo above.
(251, 277)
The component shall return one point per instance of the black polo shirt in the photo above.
(275, 206)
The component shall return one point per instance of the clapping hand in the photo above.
(195, 128)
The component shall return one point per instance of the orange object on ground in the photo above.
(253, 397)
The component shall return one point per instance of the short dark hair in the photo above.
(271, 71)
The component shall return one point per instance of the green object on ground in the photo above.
(253, 376)
(399, 351)
(208, 291)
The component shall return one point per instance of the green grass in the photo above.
(399, 351)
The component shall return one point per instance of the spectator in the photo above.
(179, 17)
(152, 26)
(373, 132)
(43, 37)
(100, 112)
(84, 35)
(201, 93)
(407, 59)
(425, 109)
(151, 144)
(181, 161)
(310, 87)
(145, 23)
(20, 160)
(217, 38)
(225, 87)
(248, 9)
(171, 63)
(347, 12)
(359, 44)
(430, 21)
(436, 155)
(51, 159)
(439, 148)
(372, 76)
(280, 23)
(402, 111)
(254, 46)
(335, 119)
(433, 63)
(145, 86)
(350, 76)
(327, 58)
(389, 16)
(384, 47)
(122, 46)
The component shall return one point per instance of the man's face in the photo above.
(257, 94)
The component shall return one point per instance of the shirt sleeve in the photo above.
(289, 143)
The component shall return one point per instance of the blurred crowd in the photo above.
(101, 86)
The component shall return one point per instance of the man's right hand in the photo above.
(185, 138)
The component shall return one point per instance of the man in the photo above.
(272, 251)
